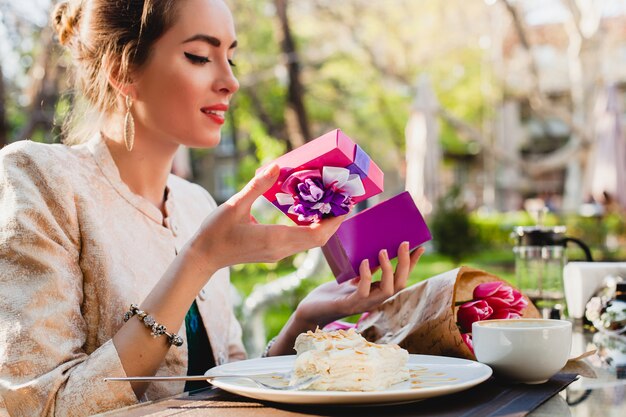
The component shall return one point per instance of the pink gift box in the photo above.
(333, 149)
(383, 226)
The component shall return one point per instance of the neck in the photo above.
(144, 169)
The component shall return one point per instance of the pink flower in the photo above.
(504, 314)
(344, 325)
(500, 297)
(363, 317)
(494, 289)
(498, 304)
(519, 302)
(472, 311)
(339, 325)
(467, 338)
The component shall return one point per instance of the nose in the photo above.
(227, 82)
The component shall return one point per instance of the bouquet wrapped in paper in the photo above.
(434, 317)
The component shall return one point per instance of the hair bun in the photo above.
(65, 19)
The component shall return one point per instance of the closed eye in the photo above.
(197, 59)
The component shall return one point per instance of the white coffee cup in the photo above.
(523, 350)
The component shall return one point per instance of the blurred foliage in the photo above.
(494, 230)
(461, 80)
(453, 233)
(359, 71)
(597, 233)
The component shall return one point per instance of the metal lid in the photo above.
(540, 235)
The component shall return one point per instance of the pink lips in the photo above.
(216, 112)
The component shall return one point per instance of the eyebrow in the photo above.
(211, 40)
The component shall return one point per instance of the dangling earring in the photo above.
(129, 125)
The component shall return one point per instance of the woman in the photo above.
(90, 229)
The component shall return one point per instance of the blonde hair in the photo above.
(107, 38)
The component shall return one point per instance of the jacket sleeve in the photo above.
(43, 367)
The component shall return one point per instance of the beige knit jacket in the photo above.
(77, 247)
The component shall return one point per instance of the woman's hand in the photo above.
(331, 301)
(231, 235)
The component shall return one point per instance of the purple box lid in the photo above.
(364, 235)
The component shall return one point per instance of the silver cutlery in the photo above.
(301, 384)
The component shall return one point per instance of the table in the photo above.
(603, 396)
(585, 397)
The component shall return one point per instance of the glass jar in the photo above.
(540, 255)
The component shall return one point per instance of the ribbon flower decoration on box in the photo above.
(491, 300)
(312, 195)
(323, 178)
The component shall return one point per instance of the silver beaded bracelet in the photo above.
(156, 329)
(266, 351)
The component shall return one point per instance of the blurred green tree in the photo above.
(453, 233)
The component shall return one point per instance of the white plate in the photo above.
(431, 376)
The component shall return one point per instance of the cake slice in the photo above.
(347, 362)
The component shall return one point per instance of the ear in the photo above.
(123, 88)
(122, 85)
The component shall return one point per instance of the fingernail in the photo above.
(269, 169)
(384, 253)
(405, 244)
(366, 263)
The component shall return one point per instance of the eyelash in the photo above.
(196, 59)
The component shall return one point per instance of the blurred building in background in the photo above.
(555, 66)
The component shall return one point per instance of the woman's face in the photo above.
(183, 91)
